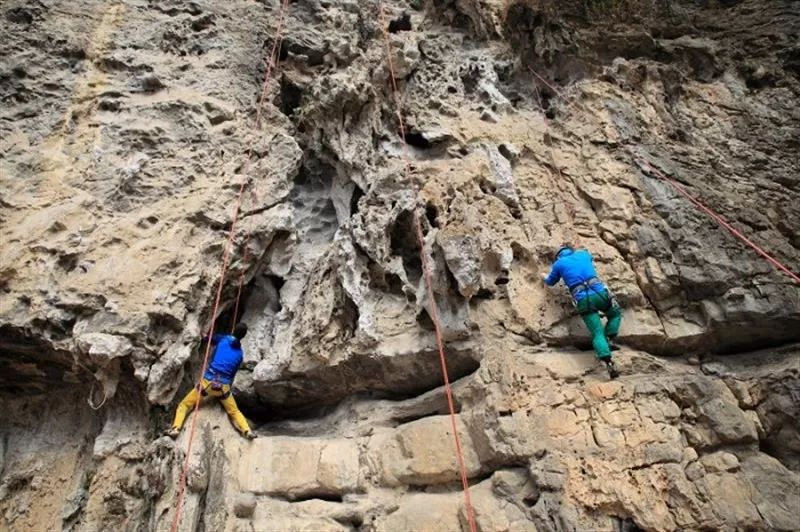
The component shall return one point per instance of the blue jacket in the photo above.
(574, 267)
(227, 358)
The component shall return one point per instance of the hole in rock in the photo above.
(29, 366)
(348, 315)
(417, 140)
(19, 15)
(780, 450)
(425, 321)
(432, 213)
(109, 105)
(505, 152)
(531, 500)
(470, 77)
(203, 22)
(354, 199)
(503, 278)
(329, 497)
(519, 253)
(260, 293)
(679, 135)
(291, 96)
(403, 23)
(483, 293)
(163, 327)
(628, 525)
(354, 522)
(151, 84)
(452, 282)
(283, 53)
(487, 188)
(544, 98)
(394, 284)
(404, 245)
(68, 262)
(384, 281)
(276, 280)
(315, 399)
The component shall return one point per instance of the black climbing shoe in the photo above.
(173, 432)
(613, 372)
(614, 346)
(250, 435)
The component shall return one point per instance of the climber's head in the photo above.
(563, 250)
(240, 331)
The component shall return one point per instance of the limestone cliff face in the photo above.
(126, 129)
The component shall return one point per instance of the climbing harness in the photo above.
(592, 284)
(434, 312)
(215, 386)
(585, 286)
(680, 189)
(226, 256)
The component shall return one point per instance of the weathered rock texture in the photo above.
(127, 128)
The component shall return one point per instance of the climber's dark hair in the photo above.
(240, 331)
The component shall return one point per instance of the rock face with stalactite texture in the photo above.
(127, 129)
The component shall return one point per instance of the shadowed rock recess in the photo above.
(124, 134)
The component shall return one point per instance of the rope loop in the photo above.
(91, 395)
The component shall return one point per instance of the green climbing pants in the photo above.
(590, 308)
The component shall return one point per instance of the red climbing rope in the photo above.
(697, 203)
(226, 254)
(721, 221)
(434, 311)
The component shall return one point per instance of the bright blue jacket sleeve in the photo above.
(554, 277)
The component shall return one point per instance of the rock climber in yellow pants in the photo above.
(217, 381)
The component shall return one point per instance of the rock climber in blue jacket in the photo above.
(217, 381)
(591, 298)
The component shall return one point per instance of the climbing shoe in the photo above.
(614, 346)
(613, 372)
(173, 432)
(250, 435)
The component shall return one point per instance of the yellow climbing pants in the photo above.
(225, 397)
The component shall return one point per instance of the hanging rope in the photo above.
(719, 219)
(692, 199)
(91, 395)
(434, 312)
(95, 380)
(272, 62)
(226, 255)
